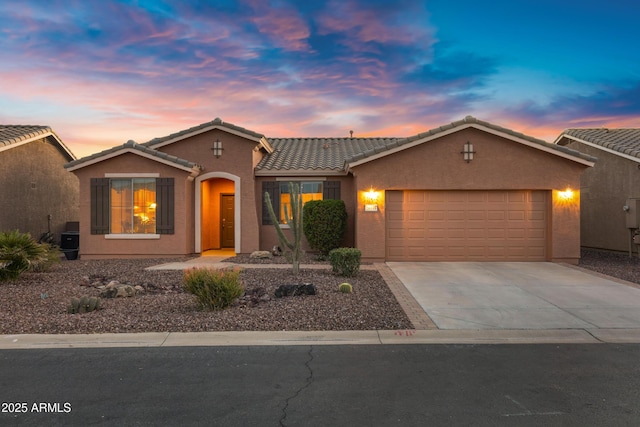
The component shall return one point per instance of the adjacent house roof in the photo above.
(12, 136)
(622, 142)
(138, 149)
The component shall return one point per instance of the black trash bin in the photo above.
(70, 244)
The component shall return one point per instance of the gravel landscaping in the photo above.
(37, 302)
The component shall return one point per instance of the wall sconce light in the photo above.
(217, 148)
(566, 195)
(467, 152)
(371, 201)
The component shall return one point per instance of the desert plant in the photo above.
(52, 256)
(345, 261)
(19, 253)
(213, 288)
(325, 222)
(293, 248)
(345, 288)
(84, 304)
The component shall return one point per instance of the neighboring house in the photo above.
(37, 193)
(607, 187)
(469, 190)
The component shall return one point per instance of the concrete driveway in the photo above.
(518, 295)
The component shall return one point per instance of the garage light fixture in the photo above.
(371, 200)
(467, 152)
(217, 148)
(566, 194)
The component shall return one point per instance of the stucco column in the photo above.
(370, 226)
(565, 226)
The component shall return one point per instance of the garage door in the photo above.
(466, 225)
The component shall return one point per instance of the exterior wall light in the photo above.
(371, 201)
(467, 152)
(566, 195)
(217, 148)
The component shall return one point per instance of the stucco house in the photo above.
(37, 193)
(610, 191)
(469, 190)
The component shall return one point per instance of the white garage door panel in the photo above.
(466, 225)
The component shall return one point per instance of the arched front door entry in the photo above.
(217, 212)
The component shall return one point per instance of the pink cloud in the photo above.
(366, 25)
(284, 26)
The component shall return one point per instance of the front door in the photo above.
(227, 213)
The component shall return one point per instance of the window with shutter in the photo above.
(132, 206)
(100, 205)
(273, 188)
(309, 190)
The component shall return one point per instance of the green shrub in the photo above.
(324, 224)
(345, 261)
(19, 253)
(213, 288)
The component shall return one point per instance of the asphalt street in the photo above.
(372, 385)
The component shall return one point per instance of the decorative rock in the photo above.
(295, 290)
(260, 254)
(276, 251)
(139, 289)
(114, 290)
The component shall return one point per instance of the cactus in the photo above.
(345, 288)
(295, 222)
(84, 304)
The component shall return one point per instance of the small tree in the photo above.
(325, 222)
(293, 249)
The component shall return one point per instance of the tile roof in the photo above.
(17, 134)
(217, 122)
(316, 154)
(132, 146)
(335, 154)
(624, 141)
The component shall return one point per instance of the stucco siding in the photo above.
(99, 246)
(605, 189)
(499, 164)
(35, 185)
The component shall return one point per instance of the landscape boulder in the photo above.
(261, 254)
(115, 289)
(295, 290)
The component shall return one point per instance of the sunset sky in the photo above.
(103, 72)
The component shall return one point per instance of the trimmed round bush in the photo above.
(324, 223)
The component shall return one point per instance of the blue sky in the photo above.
(103, 72)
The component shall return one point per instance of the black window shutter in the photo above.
(331, 190)
(100, 205)
(273, 188)
(165, 206)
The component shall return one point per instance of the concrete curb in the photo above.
(289, 338)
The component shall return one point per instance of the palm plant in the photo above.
(19, 253)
